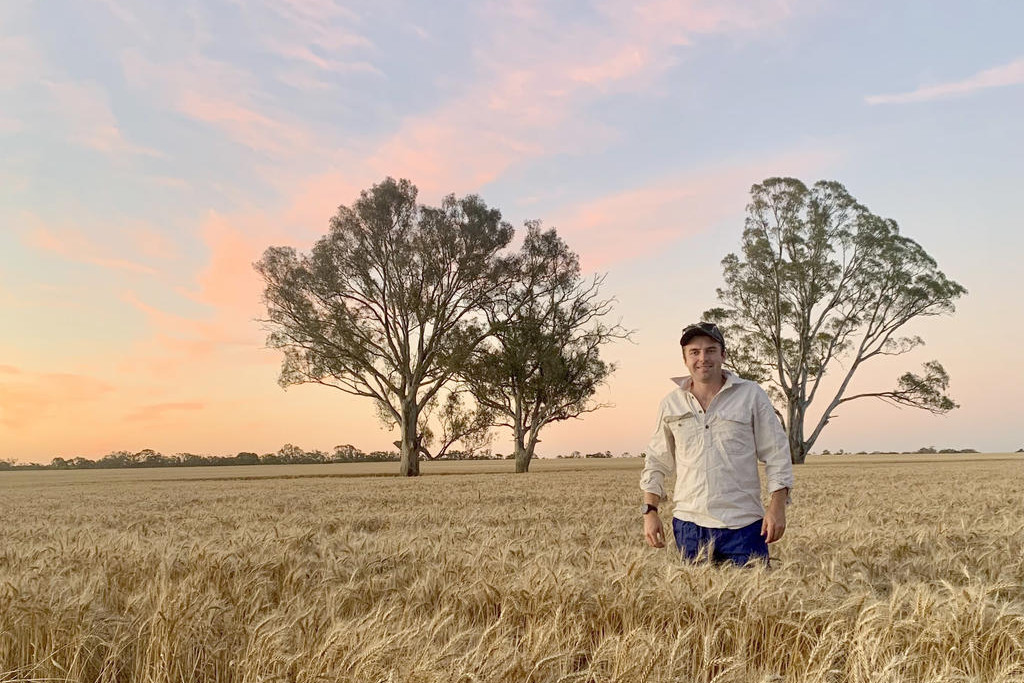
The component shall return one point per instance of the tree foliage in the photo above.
(466, 423)
(821, 280)
(386, 305)
(542, 364)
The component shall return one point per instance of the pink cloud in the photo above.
(309, 39)
(246, 125)
(625, 62)
(78, 110)
(85, 111)
(996, 77)
(639, 221)
(319, 20)
(522, 106)
(74, 246)
(305, 56)
(229, 280)
(444, 154)
(631, 40)
(134, 239)
(31, 397)
(222, 96)
(315, 199)
(525, 104)
(230, 292)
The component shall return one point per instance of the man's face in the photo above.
(703, 357)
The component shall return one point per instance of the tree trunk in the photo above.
(410, 464)
(797, 450)
(525, 448)
(795, 433)
(521, 454)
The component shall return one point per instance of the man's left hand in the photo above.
(774, 523)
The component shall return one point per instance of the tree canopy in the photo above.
(819, 281)
(387, 304)
(542, 364)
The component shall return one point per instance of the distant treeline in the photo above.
(293, 455)
(920, 451)
(287, 455)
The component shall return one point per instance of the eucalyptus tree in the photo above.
(387, 305)
(542, 363)
(821, 284)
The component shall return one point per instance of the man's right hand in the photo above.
(653, 530)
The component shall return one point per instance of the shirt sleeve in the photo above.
(660, 457)
(772, 444)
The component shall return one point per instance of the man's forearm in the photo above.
(651, 498)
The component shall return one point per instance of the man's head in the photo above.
(703, 351)
(702, 330)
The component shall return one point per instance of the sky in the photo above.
(151, 151)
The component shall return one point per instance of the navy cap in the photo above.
(699, 329)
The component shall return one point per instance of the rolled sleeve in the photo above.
(660, 457)
(772, 445)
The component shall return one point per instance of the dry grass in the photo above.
(891, 571)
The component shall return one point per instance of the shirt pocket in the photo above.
(686, 433)
(734, 431)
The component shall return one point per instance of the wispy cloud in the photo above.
(79, 111)
(670, 209)
(74, 245)
(229, 291)
(996, 77)
(84, 110)
(222, 96)
(529, 104)
(302, 45)
(29, 397)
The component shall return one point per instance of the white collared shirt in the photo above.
(714, 455)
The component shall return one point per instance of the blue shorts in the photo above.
(738, 546)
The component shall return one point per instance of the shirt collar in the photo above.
(686, 381)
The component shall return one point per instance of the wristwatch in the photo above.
(648, 508)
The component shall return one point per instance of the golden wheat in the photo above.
(890, 571)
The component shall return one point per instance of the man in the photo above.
(711, 431)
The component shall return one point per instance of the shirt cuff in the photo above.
(653, 488)
(789, 492)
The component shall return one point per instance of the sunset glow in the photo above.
(150, 153)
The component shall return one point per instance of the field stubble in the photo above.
(888, 572)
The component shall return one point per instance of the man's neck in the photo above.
(705, 391)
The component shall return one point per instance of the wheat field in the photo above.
(892, 569)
